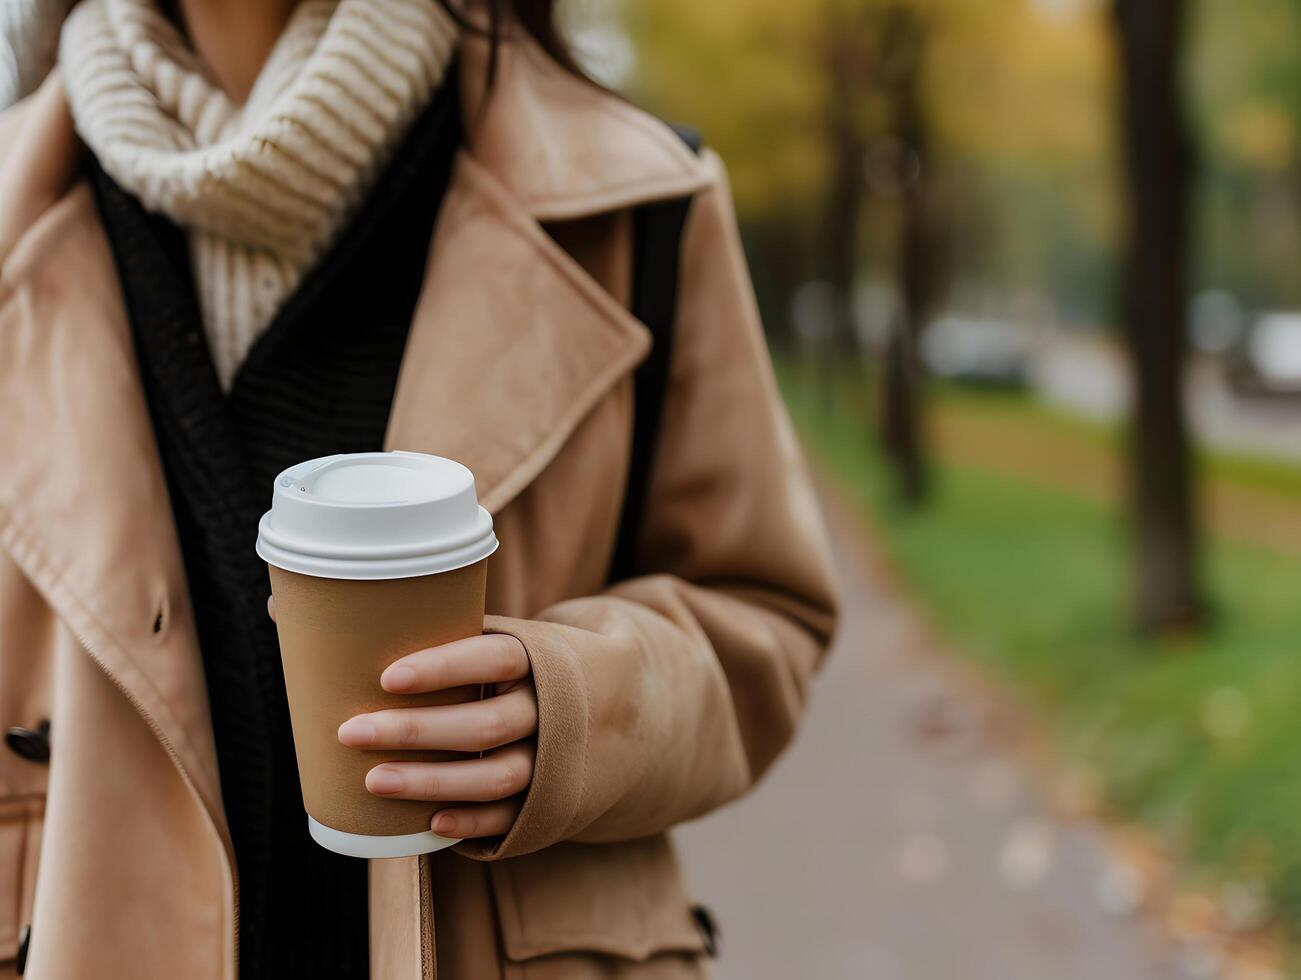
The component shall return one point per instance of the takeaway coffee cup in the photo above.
(372, 556)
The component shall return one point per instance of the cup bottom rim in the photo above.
(367, 846)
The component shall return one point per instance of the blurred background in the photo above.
(1031, 274)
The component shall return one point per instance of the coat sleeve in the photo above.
(671, 693)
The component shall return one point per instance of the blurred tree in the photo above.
(902, 34)
(1016, 95)
(1243, 77)
(1158, 165)
(847, 57)
(873, 53)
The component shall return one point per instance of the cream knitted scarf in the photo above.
(262, 189)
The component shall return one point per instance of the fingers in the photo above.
(472, 727)
(496, 776)
(489, 820)
(271, 607)
(493, 658)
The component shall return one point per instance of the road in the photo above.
(1089, 376)
(894, 841)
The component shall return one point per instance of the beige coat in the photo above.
(660, 699)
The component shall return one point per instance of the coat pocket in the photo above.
(20, 844)
(624, 901)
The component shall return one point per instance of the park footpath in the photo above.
(900, 838)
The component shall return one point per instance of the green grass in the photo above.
(1245, 469)
(1199, 739)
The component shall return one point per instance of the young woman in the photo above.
(235, 234)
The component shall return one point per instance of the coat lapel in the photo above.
(83, 504)
(511, 344)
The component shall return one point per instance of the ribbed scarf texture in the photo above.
(262, 189)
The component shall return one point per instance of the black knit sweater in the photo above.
(319, 381)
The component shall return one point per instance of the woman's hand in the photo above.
(501, 726)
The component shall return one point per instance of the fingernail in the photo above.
(384, 781)
(398, 679)
(443, 823)
(357, 731)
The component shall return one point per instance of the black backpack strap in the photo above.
(689, 136)
(656, 247)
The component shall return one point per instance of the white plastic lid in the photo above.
(375, 516)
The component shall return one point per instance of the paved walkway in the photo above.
(894, 842)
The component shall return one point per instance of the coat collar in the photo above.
(81, 465)
(562, 147)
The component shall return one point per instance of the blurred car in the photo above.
(1267, 359)
(985, 352)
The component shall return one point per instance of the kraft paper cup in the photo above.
(372, 556)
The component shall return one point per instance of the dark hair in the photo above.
(537, 17)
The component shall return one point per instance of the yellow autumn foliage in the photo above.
(1004, 83)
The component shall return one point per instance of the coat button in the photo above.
(32, 744)
(709, 933)
(24, 940)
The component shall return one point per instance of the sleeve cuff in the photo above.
(553, 802)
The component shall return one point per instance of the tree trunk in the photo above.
(901, 416)
(846, 193)
(901, 430)
(1157, 159)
